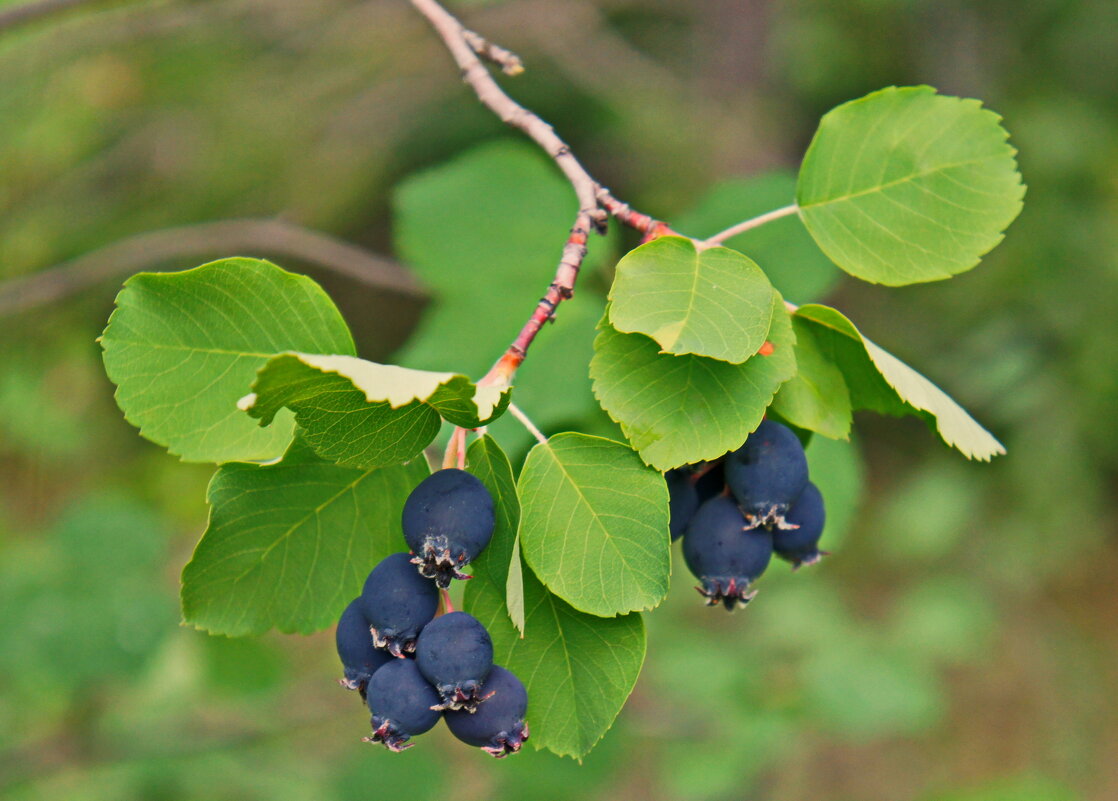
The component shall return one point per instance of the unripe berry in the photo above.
(455, 654)
(398, 603)
(448, 520)
(724, 554)
(767, 473)
(497, 727)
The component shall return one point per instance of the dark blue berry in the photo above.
(398, 603)
(448, 520)
(360, 657)
(800, 546)
(767, 473)
(711, 481)
(455, 654)
(724, 554)
(683, 500)
(497, 727)
(401, 702)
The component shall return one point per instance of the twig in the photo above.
(594, 201)
(508, 61)
(747, 225)
(516, 412)
(227, 236)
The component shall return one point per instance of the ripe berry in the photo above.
(767, 473)
(398, 603)
(683, 500)
(455, 654)
(712, 482)
(497, 727)
(800, 546)
(359, 656)
(401, 702)
(448, 520)
(724, 554)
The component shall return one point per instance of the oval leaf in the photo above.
(362, 414)
(816, 397)
(578, 668)
(880, 381)
(905, 185)
(594, 524)
(182, 347)
(678, 410)
(712, 302)
(288, 545)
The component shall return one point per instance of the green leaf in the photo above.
(183, 347)
(905, 185)
(594, 526)
(484, 231)
(783, 248)
(678, 410)
(578, 668)
(816, 397)
(881, 382)
(288, 545)
(499, 564)
(362, 414)
(714, 302)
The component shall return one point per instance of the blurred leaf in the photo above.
(836, 467)
(904, 185)
(183, 347)
(678, 410)
(815, 398)
(880, 381)
(926, 516)
(363, 414)
(289, 544)
(783, 248)
(714, 302)
(947, 619)
(499, 564)
(595, 524)
(578, 668)
(1022, 788)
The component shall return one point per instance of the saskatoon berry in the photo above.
(359, 656)
(767, 473)
(401, 702)
(448, 520)
(683, 500)
(724, 554)
(712, 482)
(398, 603)
(800, 546)
(455, 654)
(497, 727)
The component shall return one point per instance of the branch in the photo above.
(228, 236)
(595, 202)
(747, 225)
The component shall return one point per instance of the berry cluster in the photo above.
(735, 513)
(412, 667)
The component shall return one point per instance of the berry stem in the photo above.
(516, 412)
(455, 454)
(747, 225)
(448, 607)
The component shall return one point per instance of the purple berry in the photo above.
(455, 654)
(800, 546)
(497, 727)
(360, 657)
(724, 554)
(398, 603)
(448, 520)
(712, 482)
(767, 473)
(683, 500)
(401, 702)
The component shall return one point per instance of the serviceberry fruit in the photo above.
(497, 727)
(711, 482)
(360, 657)
(401, 702)
(448, 520)
(800, 546)
(767, 473)
(724, 554)
(398, 603)
(683, 500)
(455, 654)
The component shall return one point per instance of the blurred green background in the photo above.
(959, 646)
